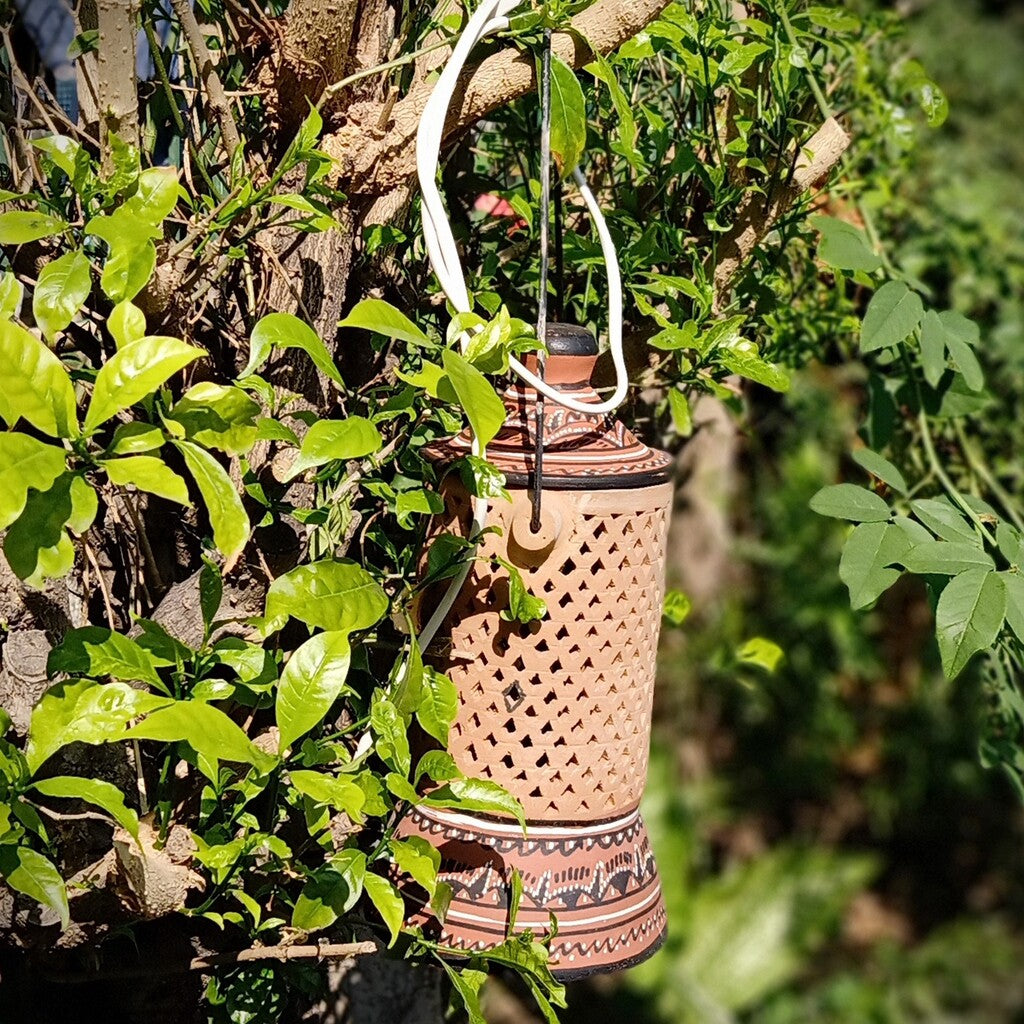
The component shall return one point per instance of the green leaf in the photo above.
(37, 546)
(386, 898)
(943, 519)
(134, 372)
(483, 408)
(312, 680)
(743, 359)
(844, 246)
(522, 605)
(63, 152)
(968, 617)
(218, 416)
(418, 859)
(892, 315)
(19, 226)
(439, 705)
(155, 197)
(966, 362)
(282, 330)
(34, 875)
(676, 607)
(206, 729)
(332, 891)
(382, 318)
(880, 467)
(211, 592)
(933, 348)
(737, 60)
(228, 518)
(135, 438)
(391, 741)
(760, 652)
(148, 473)
(128, 268)
(97, 652)
(1014, 584)
(126, 323)
(602, 70)
(11, 294)
(437, 765)
(682, 417)
(848, 501)
(25, 463)
(336, 791)
(568, 116)
(868, 554)
(477, 795)
(329, 440)
(64, 284)
(34, 385)
(333, 595)
(466, 984)
(84, 712)
(946, 559)
(101, 794)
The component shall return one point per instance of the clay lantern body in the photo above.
(558, 711)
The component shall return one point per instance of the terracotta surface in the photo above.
(558, 711)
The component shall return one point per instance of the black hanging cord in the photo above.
(542, 300)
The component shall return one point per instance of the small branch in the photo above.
(505, 76)
(337, 951)
(218, 99)
(755, 218)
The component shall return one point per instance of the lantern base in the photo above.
(599, 880)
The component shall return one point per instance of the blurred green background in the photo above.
(831, 846)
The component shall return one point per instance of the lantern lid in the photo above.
(581, 451)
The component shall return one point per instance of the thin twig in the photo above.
(208, 72)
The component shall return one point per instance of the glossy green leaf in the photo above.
(206, 729)
(25, 463)
(484, 409)
(522, 605)
(126, 323)
(64, 284)
(34, 385)
(64, 153)
(568, 116)
(155, 197)
(382, 318)
(743, 359)
(388, 901)
(866, 564)
(477, 795)
(101, 794)
(334, 595)
(228, 518)
(682, 417)
(218, 416)
(135, 439)
(892, 315)
(35, 876)
(676, 607)
(390, 739)
(134, 372)
(84, 712)
(20, 226)
(880, 467)
(11, 294)
(439, 705)
(330, 440)
(282, 330)
(602, 70)
(98, 652)
(418, 859)
(312, 680)
(848, 501)
(337, 791)
(148, 473)
(332, 891)
(128, 268)
(37, 545)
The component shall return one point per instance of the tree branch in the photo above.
(115, 80)
(374, 167)
(219, 102)
(756, 217)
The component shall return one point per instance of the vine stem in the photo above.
(979, 466)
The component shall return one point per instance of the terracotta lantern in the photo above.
(558, 711)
